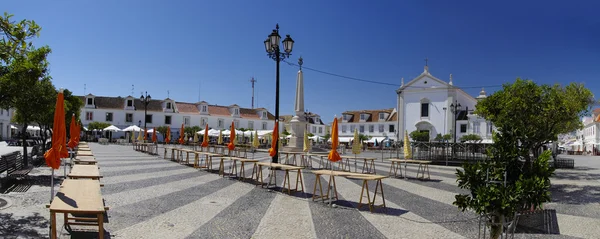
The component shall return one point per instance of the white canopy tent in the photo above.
(112, 128)
(132, 128)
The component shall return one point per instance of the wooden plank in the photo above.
(84, 153)
(78, 196)
(410, 161)
(85, 171)
(281, 166)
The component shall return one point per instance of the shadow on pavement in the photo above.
(574, 194)
(23, 227)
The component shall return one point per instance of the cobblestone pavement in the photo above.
(150, 197)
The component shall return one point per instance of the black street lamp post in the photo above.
(273, 51)
(455, 110)
(145, 100)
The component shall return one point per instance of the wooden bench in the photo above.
(85, 160)
(208, 159)
(286, 178)
(14, 165)
(78, 197)
(365, 187)
(397, 163)
(368, 167)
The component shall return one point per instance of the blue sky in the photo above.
(213, 48)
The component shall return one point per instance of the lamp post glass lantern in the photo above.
(274, 52)
(145, 98)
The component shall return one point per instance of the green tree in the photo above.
(97, 125)
(192, 130)
(14, 46)
(470, 137)
(285, 132)
(447, 137)
(517, 176)
(419, 136)
(44, 114)
(363, 137)
(310, 134)
(162, 130)
(326, 137)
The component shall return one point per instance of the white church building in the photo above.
(429, 104)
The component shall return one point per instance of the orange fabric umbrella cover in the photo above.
(168, 137)
(59, 135)
(205, 139)
(181, 132)
(275, 136)
(154, 138)
(334, 156)
(72, 133)
(231, 144)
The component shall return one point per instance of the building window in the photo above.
(424, 109)
(352, 127)
(129, 118)
(343, 128)
(264, 114)
(490, 128)
(371, 128)
(320, 130)
(391, 128)
(149, 119)
(250, 124)
(236, 123)
(236, 111)
(186, 120)
(109, 117)
(90, 101)
(346, 117)
(381, 128)
(203, 122)
(167, 119)
(463, 128)
(361, 128)
(317, 120)
(221, 123)
(89, 115)
(381, 116)
(363, 116)
(129, 103)
(204, 108)
(168, 105)
(476, 127)
(314, 129)
(264, 125)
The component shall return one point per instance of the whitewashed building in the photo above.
(5, 124)
(126, 111)
(428, 104)
(378, 124)
(315, 124)
(589, 137)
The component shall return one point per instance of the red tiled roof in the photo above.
(187, 108)
(373, 115)
(218, 110)
(249, 114)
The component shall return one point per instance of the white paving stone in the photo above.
(179, 223)
(143, 176)
(292, 215)
(137, 195)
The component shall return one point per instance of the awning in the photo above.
(379, 139)
(344, 139)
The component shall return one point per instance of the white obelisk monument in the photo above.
(298, 122)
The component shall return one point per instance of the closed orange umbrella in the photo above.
(154, 139)
(231, 144)
(181, 141)
(145, 134)
(334, 156)
(78, 134)
(72, 133)
(205, 139)
(275, 137)
(59, 135)
(168, 137)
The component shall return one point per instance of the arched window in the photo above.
(425, 108)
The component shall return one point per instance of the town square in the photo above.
(122, 120)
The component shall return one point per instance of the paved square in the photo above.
(150, 197)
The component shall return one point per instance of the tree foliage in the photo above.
(470, 138)
(440, 137)
(97, 125)
(552, 109)
(517, 176)
(190, 131)
(419, 136)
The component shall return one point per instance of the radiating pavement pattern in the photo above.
(152, 197)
